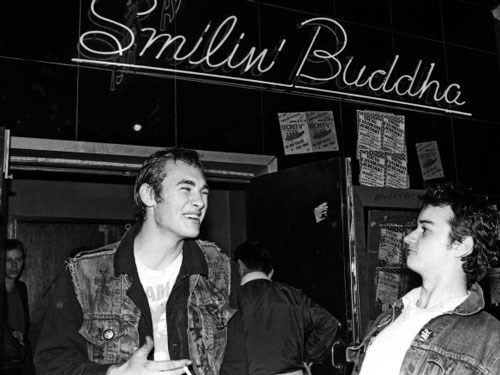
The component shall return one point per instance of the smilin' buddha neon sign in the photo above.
(219, 53)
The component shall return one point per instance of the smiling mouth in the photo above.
(193, 218)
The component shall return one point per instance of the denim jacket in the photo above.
(100, 314)
(462, 342)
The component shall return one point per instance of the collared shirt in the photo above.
(255, 275)
(464, 341)
(387, 350)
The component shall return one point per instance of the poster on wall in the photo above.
(372, 168)
(295, 133)
(322, 131)
(387, 290)
(393, 139)
(396, 175)
(369, 131)
(381, 149)
(429, 159)
(308, 132)
(390, 248)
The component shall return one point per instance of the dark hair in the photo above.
(255, 255)
(471, 217)
(153, 172)
(15, 244)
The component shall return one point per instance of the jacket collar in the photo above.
(473, 303)
(193, 261)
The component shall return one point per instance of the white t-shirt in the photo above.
(158, 285)
(387, 350)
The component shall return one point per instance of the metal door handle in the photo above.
(338, 363)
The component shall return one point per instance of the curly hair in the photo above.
(255, 255)
(473, 217)
(153, 172)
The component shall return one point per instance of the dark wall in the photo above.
(44, 94)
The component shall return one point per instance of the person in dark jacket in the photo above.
(157, 301)
(284, 329)
(17, 358)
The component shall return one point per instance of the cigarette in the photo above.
(186, 370)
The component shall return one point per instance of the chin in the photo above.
(192, 234)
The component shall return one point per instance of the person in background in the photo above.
(284, 329)
(156, 302)
(440, 327)
(17, 357)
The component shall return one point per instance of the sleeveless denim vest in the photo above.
(111, 319)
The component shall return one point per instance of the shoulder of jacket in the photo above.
(211, 248)
(102, 251)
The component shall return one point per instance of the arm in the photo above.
(235, 357)
(60, 349)
(320, 331)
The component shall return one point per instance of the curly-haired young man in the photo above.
(440, 327)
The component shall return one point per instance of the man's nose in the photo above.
(198, 201)
(409, 238)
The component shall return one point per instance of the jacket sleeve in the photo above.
(320, 331)
(60, 349)
(235, 357)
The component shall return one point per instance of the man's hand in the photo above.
(19, 336)
(139, 364)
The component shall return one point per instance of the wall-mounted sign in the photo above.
(308, 60)
(307, 132)
(381, 149)
(430, 160)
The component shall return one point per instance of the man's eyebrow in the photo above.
(426, 221)
(192, 183)
(186, 182)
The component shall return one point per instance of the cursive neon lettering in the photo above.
(389, 74)
(221, 47)
(457, 95)
(214, 45)
(358, 78)
(430, 86)
(98, 34)
(371, 80)
(321, 54)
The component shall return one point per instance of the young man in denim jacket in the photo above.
(157, 301)
(440, 327)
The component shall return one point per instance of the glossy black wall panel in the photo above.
(468, 24)
(223, 118)
(418, 18)
(38, 100)
(478, 145)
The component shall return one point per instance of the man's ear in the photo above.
(465, 247)
(242, 269)
(147, 195)
(270, 274)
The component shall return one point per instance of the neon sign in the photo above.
(221, 53)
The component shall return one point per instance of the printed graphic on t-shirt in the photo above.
(157, 297)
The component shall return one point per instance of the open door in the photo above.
(4, 149)
(309, 251)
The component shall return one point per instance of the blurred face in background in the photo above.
(14, 263)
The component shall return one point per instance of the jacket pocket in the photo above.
(110, 339)
(217, 309)
(437, 364)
